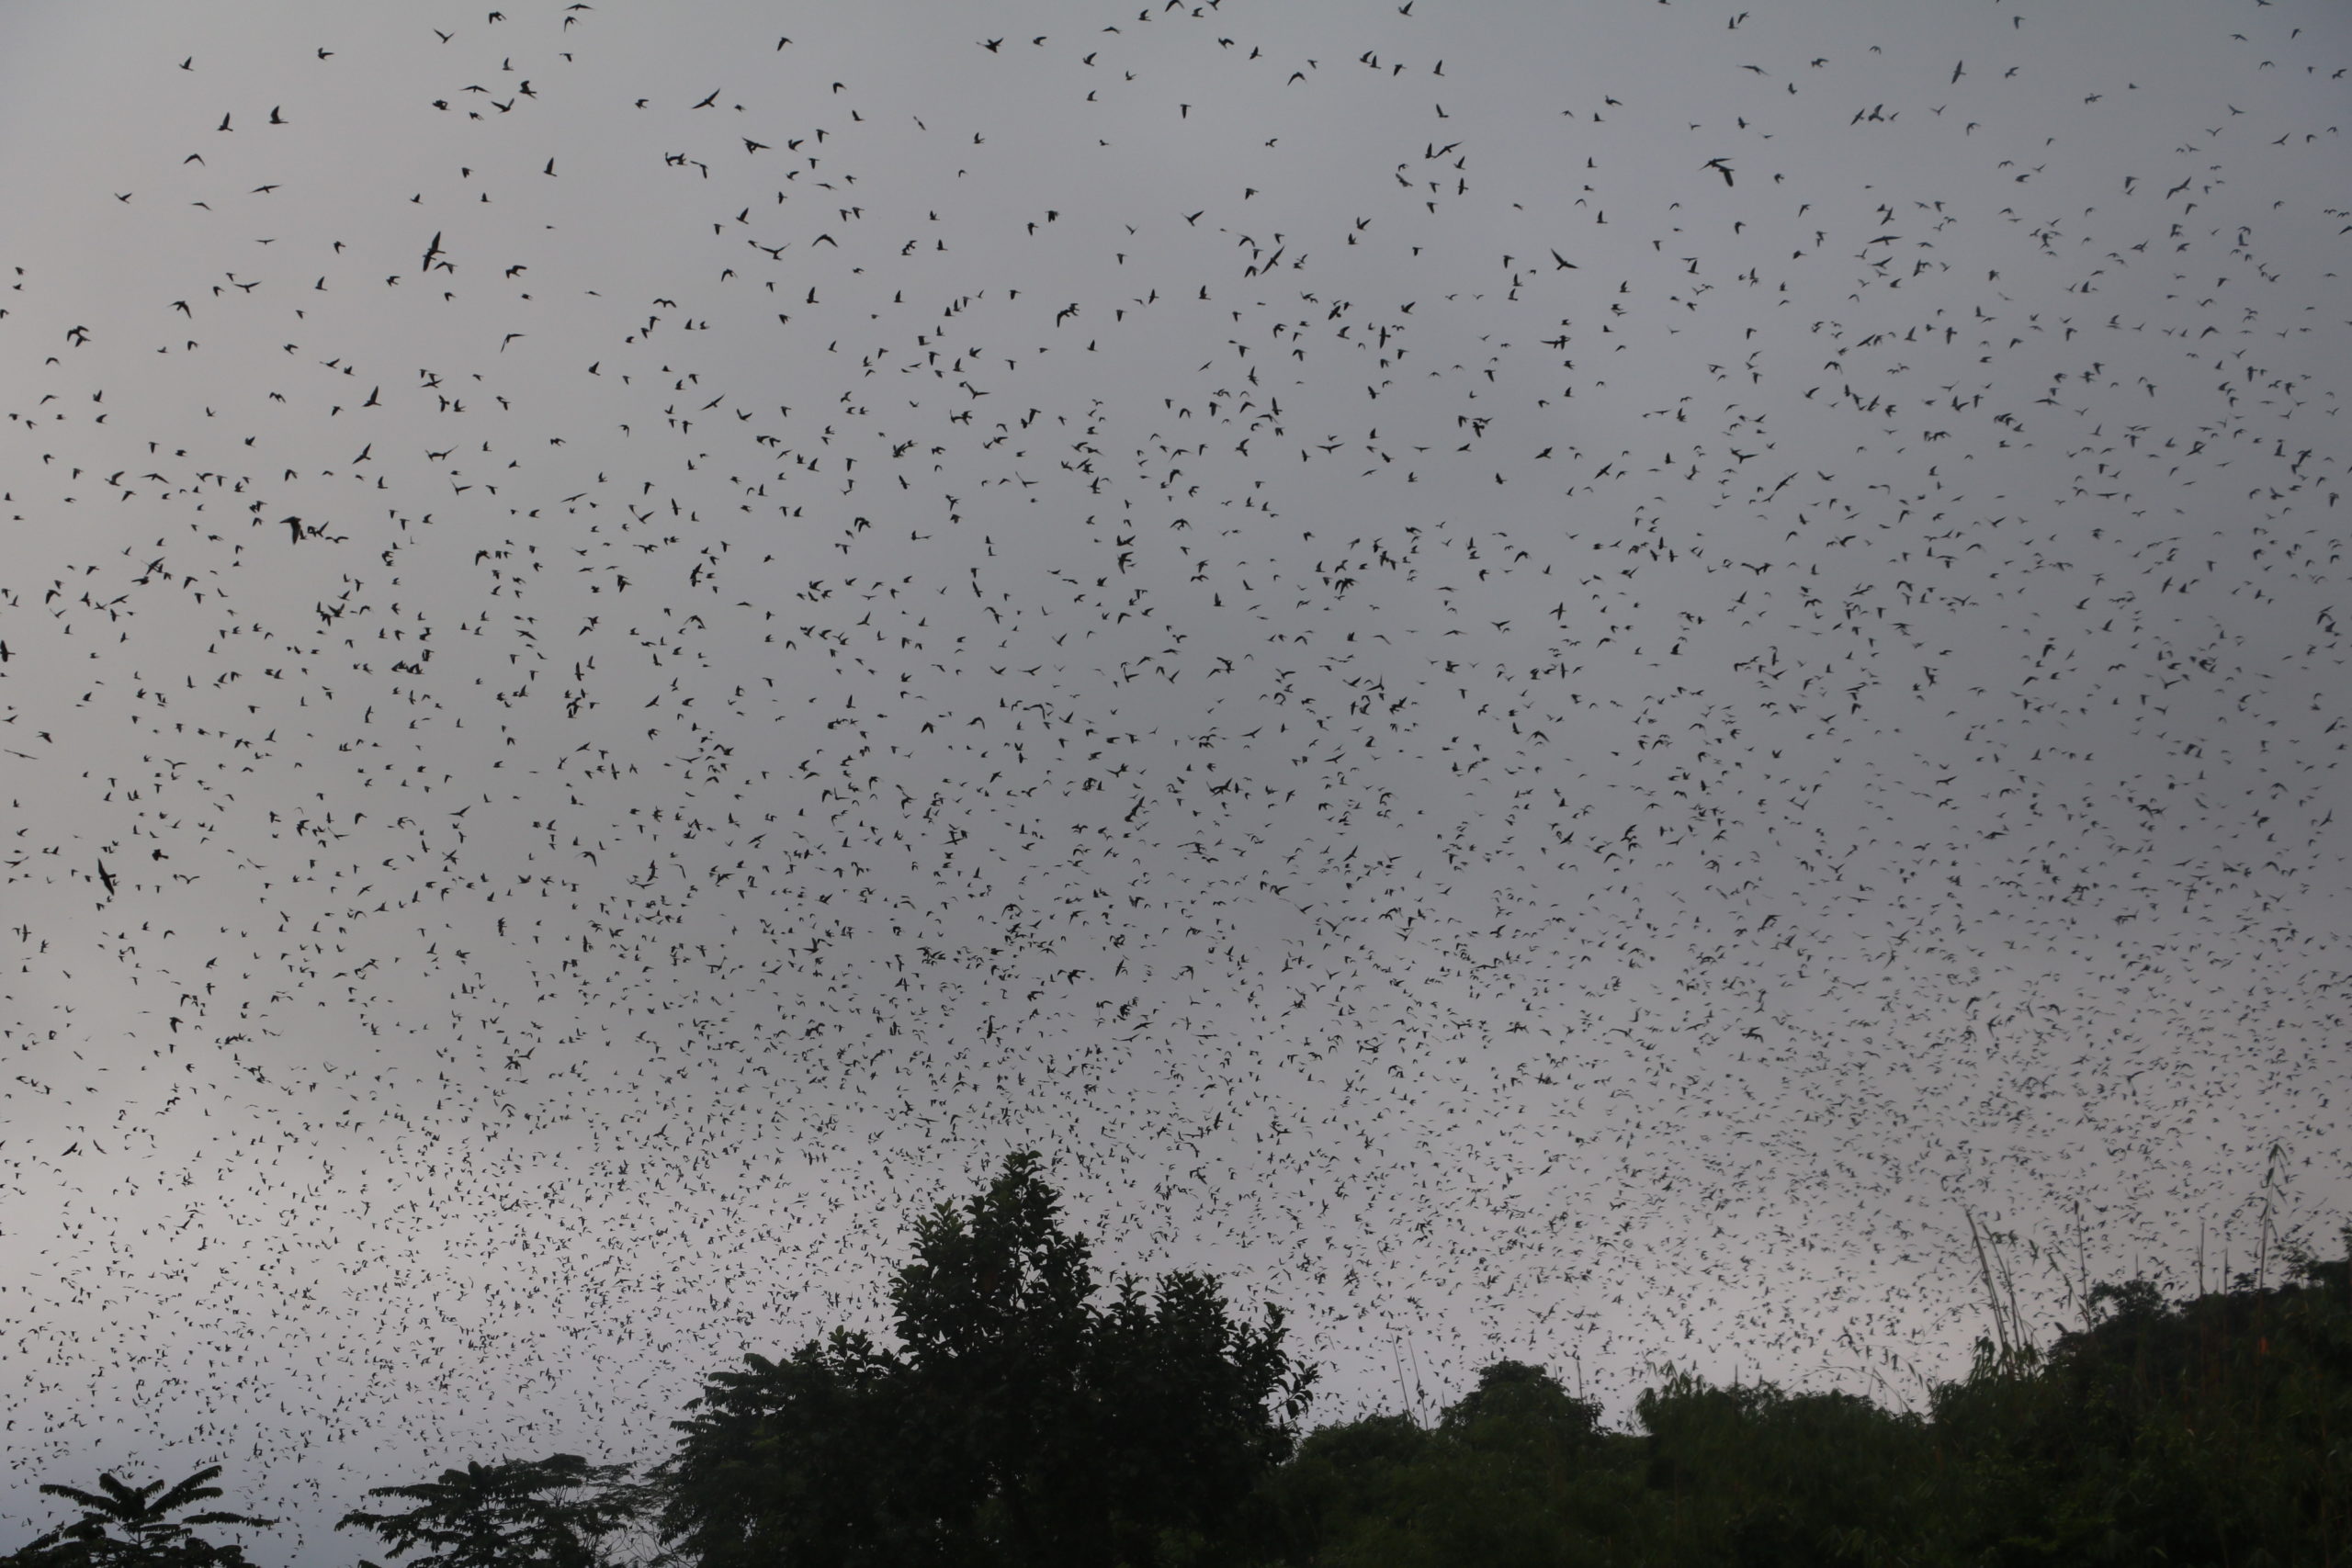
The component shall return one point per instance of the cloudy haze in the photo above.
(1541, 680)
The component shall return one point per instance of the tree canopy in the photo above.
(1024, 1417)
(127, 1526)
(500, 1516)
(1019, 1421)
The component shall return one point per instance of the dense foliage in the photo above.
(2213, 1431)
(486, 1515)
(1019, 1422)
(127, 1526)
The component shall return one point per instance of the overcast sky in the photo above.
(1540, 680)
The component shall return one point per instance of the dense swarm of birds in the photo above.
(1551, 682)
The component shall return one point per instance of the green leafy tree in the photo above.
(2208, 1432)
(2202, 1432)
(126, 1526)
(807, 1460)
(1346, 1482)
(1515, 1473)
(510, 1515)
(1019, 1423)
(1758, 1477)
(995, 1318)
(1516, 1404)
(1178, 1392)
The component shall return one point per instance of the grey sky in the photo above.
(1546, 677)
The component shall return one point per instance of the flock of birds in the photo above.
(1539, 684)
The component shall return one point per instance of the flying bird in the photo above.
(1148, 746)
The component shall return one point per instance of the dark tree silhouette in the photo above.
(803, 1461)
(1516, 1398)
(1019, 1423)
(503, 1515)
(147, 1536)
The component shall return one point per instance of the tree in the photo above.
(1180, 1392)
(500, 1516)
(1018, 1422)
(993, 1313)
(149, 1538)
(1515, 1402)
(1346, 1482)
(801, 1462)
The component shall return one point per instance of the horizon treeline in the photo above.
(1021, 1423)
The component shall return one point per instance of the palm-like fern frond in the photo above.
(149, 1538)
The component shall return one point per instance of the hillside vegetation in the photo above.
(1021, 1423)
